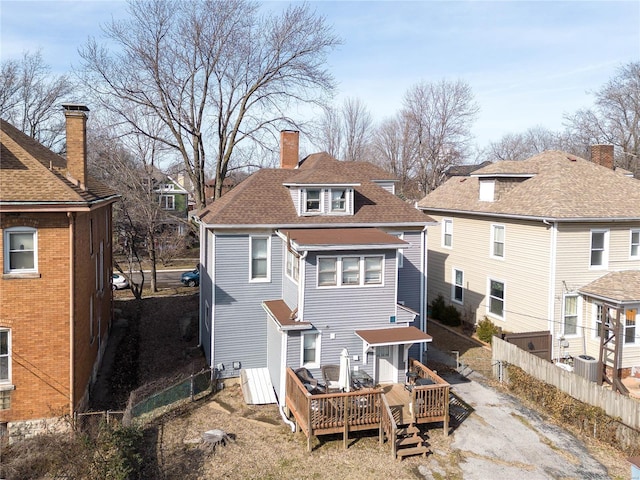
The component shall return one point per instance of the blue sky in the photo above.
(528, 63)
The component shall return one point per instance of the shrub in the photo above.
(437, 307)
(451, 316)
(486, 330)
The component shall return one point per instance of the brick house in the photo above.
(55, 288)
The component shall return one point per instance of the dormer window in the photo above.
(312, 203)
(338, 199)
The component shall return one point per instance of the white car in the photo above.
(119, 282)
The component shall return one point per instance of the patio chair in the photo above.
(310, 383)
(331, 375)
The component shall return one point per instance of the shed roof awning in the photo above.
(284, 316)
(621, 287)
(342, 238)
(393, 336)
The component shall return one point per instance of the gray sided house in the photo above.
(303, 261)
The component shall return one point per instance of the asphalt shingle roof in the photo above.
(262, 199)
(623, 286)
(560, 186)
(31, 173)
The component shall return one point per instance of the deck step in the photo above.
(410, 430)
(406, 441)
(419, 450)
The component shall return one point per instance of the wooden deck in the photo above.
(387, 408)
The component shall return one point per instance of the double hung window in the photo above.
(354, 271)
(312, 200)
(260, 258)
(631, 315)
(497, 234)
(496, 298)
(458, 286)
(167, 202)
(570, 315)
(447, 233)
(338, 200)
(5, 356)
(635, 244)
(20, 250)
(599, 244)
(311, 350)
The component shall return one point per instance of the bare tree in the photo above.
(393, 149)
(215, 73)
(615, 118)
(31, 96)
(440, 115)
(520, 146)
(357, 129)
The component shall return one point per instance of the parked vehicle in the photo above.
(119, 282)
(191, 279)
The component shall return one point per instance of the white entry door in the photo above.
(385, 368)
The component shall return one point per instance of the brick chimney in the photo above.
(76, 121)
(289, 144)
(602, 155)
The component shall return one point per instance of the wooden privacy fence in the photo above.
(626, 409)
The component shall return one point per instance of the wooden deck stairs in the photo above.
(409, 442)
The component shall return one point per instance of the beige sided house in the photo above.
(551, 243)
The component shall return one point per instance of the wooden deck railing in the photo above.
(430, 403)
(365, 409)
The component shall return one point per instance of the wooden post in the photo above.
(308, 424)
(446, 412)
(345, 401)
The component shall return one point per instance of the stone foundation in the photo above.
(30, 428)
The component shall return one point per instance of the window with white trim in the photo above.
(487, 190)
(5, 356)
(338, 199)
(496, 298)
(311, 350)
(20, 250)
(167, 202)
(312, 200)
(497, 241)
(400, 254)
(599, 247)
(635, 244)
(447, 232)
(354, 271)
(293, 265)
(260, 253)
(630, 317)
(570, 315)
(457, 290)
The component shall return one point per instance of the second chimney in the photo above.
(289, 145)
(76, 123)
(602, 155)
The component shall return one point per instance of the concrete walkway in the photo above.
(502, 439)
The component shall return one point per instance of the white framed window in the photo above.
(338, 199)
(570, 314)
(312, 200)
(354, 271)
(457, 286)
(630, 320)
(260, 252)
(599, 248)
(20, 250)
(350, 270)
(167, 202)
(293, 265)
(373, 270)
(310, 350)
(497, 241)
(447, 232)
(496, 299)
(5, 356)
(635, 244)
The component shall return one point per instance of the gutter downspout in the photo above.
(423, 287)
(552, 283)
(72, 288)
